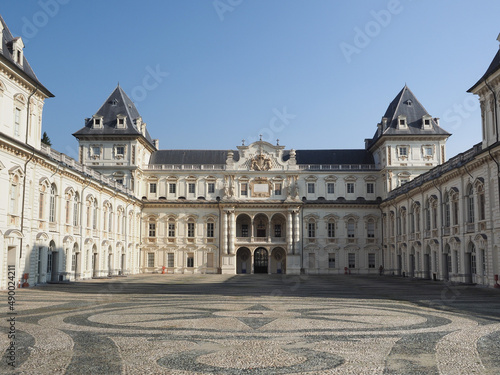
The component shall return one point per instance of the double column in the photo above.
(228, 231)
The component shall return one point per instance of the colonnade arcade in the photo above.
(259, 240)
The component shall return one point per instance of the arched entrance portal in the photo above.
(278, 260)
(243, 260)
(260, 260)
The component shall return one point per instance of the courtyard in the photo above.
(253, 324)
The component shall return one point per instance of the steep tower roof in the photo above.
(406, 106)
(118, 104)
(494, 66)
(7, 56)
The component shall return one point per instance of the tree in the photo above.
(46, 139)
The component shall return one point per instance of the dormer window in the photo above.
(426, 122)
(402, 122)
(17, 51)
(120, 122)
(97, 122)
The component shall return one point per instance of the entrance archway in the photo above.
(260, 261)
(278, 260)
(243, 260)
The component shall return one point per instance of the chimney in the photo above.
(156, 143)
(384, 123)
(437, 120)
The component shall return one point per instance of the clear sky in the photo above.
(205, 74)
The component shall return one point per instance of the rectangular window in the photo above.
(350, 188)
(311, 230)
(172, 188)
(191, 188)
(244, 189)
(244, 230)
(482, 214)
(370, 188)
(448, 257)
(120, 150)
(277, 230)
(277, 189)
(310, 188)
(151, 260)
(403, 151)
(171, 229)
(371, 260)
(190, 230)
(96, 150)
(473, 264)
(190, 260)
(170, 260)
(350, 229)
(73, 262)
(427, 151)
(330, 188)
(331, 260)
(351, 257)
(17, 121)
(210, 230)
(211, 188)
(331, 230)
(152, 229)
(370, 228)
(152, 188)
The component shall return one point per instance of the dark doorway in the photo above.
(260, 260)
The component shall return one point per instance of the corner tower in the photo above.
(408, 141)
(488, 90)
(115, 140)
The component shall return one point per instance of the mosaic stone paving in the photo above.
(255, 324)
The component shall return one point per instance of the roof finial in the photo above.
(243, 142)
(260, 135)
(118, 83)
(277, 142)
(498, 38)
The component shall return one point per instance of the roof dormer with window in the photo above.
(97, 122)
(402, 124)
(426, 122)
(121, 121)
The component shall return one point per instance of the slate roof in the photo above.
(494, 66)
(7, 56)
(331, 157)
(118, 103)
(302, 157)
(406, 104)
(191, 157)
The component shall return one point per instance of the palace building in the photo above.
(127, 206)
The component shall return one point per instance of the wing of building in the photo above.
(127, 206)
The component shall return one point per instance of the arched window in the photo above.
(311, 228)
(351, 228)
(481, 202)
(110, 224)
(152, 227)
(76, 209)
(470, 204)
(94, 219)
(52, 205)
(447, 211)
(14, 194)
(427, 215)
(370, 228)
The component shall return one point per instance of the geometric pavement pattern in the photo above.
(255, 324)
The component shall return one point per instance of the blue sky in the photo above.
(206, 74)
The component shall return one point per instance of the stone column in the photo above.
(232, 231)
(224, 233)
(289, 232)
(297, 232)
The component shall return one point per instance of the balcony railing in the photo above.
(469, 227)
(330, 167)
(185, 167)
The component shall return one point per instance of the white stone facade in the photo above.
(126, 207)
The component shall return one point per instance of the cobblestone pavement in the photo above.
(254, 324)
